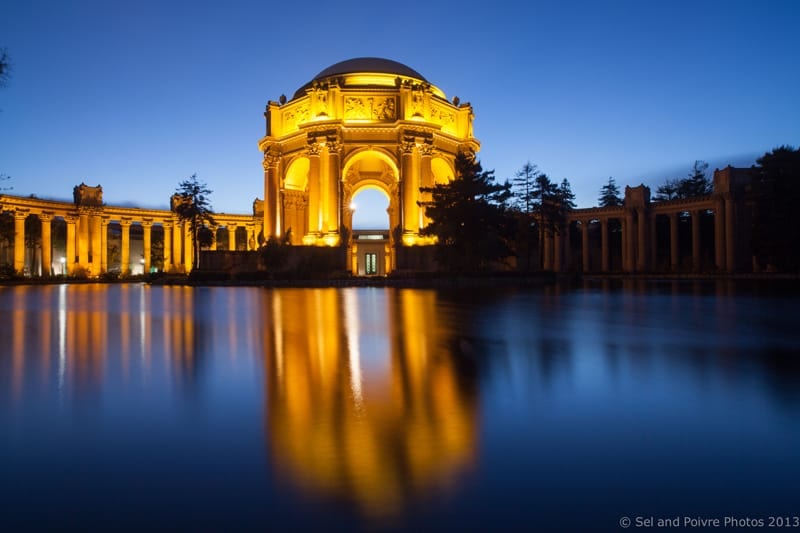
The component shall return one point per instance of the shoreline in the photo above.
(428, 280)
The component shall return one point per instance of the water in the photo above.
(133, 407)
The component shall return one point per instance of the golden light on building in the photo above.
(364, 401)
(362, 123)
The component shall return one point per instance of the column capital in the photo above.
(125, 222)
(272, 156)
(21, 215)
(45, 217)
(313, 148)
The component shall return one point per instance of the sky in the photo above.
(138, 96)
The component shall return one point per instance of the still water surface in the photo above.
(138, 407)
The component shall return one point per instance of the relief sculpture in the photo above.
(377, 109)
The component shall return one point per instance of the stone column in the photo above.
(641, 260)
(604, 245)
(567, 250)
(696, 240)
(719, 235)
(585, 245)
(313, 190)
(629, 241)
(426, 179)
(19, 241)
(674, 250)
(177, 244)
(231, 237)
(147, 226)
(271, 198)
(167, 245)
(558, 250)
(47, 246)
(410, 219)
(188, 248)
(104, 245)
(730, 241)
(251, 237)
(94, 243)
(83, 239)
(125, 245)
(652, 240)
(70, 251)
(332, 209)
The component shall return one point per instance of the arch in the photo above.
(367, 152)
(296, 178)
(442, 171)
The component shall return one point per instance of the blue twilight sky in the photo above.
(137, 96)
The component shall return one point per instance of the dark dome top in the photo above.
(369, 64)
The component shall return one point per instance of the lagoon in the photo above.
(557, 408)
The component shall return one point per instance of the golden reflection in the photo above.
(364, 400)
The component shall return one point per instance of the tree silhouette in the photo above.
(697, 183)
(469, 217)
(773, 197)
(522, 187)
(191, 204)
(610, 195)
(546, 208)
(5, 67)
(694, 185)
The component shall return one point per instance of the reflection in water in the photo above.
(364, 401)
(558, 408)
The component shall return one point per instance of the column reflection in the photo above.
(365, 403)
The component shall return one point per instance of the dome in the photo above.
(369, 64)
(386, 68)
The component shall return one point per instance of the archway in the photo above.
(368, 220)
(370, 207)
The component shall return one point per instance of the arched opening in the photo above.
(370, 209)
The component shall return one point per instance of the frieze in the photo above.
(442, 116)
(295, 116)
(379, 109)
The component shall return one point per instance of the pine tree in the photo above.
(773, 197)
(610, 195)
(696, 183)
(522, 188)
(469, 217)
(192, 205)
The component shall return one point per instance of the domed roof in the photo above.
(386, 69)
(369, 64)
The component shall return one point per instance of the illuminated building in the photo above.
(364, 123)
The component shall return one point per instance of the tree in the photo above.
(610, 195)
(694, 185)
(469, 217)
(3, 178)
(773, 197)
(667, 191)
(522, 188)
(697, 183)
(546, 207)
(5, 67)
(192, 205)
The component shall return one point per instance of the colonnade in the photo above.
(639, 247)
(88, 230)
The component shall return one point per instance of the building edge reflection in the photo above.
(348, 421)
